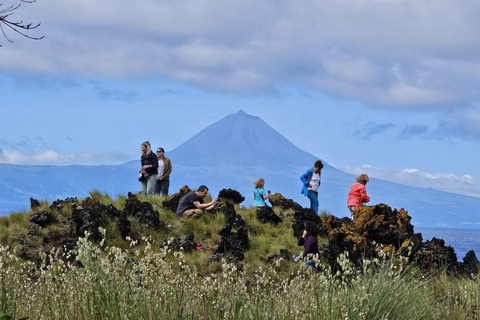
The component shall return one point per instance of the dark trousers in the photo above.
(161, 187)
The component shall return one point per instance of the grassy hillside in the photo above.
(143, 277)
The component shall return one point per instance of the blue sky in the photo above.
(388, 88)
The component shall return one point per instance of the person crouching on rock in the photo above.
(358, 194)
(192, 205)
(309, 241)
(259, 195)
(311, 182)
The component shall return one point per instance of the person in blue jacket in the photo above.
(311, 182)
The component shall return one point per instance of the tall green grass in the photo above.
(139, 279)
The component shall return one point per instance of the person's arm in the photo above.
(154, 162)
(169, 170)
(305, 178)
(205, 206)
(301, 240)
(263, 195)
(363, 195)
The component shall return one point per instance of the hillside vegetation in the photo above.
(132, 258)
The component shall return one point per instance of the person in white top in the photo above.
(164, 170)
(311, 182)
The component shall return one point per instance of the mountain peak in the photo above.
(241, 139)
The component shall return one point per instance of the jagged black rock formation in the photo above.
(42, 218)
(143, 211)
(174, 200)
(219, 257)
(34, 203)
(470, 264)
(120, 217)
(284, 254)
(231, 217)
(381, 228)
(233, 243)
(88, 217)
(433, 254)
(232, 195)
(300, 218)
(278, 200)
(59, 204)
(266, 214)
(181, 244)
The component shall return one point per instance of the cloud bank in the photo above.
(465, 184)
(397, 53)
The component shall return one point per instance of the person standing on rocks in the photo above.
(164, 170)
(192, 205)
(311, 182)
(259, 195)
(358, 194)
(149, 169)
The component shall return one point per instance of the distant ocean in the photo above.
(461, 240)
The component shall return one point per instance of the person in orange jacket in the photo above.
(358, 194)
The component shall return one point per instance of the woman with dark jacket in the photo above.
(309, 241)
(149, 168)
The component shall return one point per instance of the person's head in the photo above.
(363, 179)
(259, 183)
(146, 149)
(317, 166)
(160, 152)
(202, 191)
(312, 229)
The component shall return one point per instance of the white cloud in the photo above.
(389, 53)
(50, 157)
(464, 184)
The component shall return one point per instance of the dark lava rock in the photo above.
(34, 203)
(219, 257)
(120, 217)
(228, 209)
(433, 254)
(143, 211)
(373, 225)
(393, 233)
(91, 214)
(232, 195)
(470, 263)
(300, 218)
(234, 243)
(59, 204)
(184, 244)
(266, 214)
(284, 254)
(174, 200)
(88, 216)
(42, 218)
(278, 200)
